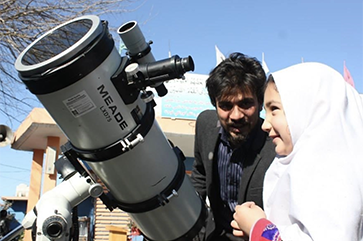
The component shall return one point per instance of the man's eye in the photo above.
(225, 106)
(246, 104)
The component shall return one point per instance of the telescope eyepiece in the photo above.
(186, 64)
(155, 73)
(167, 69)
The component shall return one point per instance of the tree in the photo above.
(22, 22)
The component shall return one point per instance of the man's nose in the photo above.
(236, 113)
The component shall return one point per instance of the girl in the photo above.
(313, 190)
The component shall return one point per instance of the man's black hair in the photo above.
(238, 72)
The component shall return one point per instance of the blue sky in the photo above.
(287, 32)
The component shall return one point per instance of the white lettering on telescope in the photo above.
(113, 108)
(79, 104)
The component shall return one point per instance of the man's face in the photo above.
(238, 115)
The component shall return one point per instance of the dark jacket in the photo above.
(256, 161)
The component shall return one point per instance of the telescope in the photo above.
(101, 102)
(6, 135)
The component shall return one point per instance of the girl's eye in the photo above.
(274, 108)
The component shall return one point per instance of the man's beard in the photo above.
(237, 140)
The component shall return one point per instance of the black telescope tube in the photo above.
(161, 90)
(166, 69)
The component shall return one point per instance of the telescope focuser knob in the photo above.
(131, 72)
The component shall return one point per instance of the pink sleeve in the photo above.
(264, 230)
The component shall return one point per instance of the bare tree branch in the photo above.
(22, 22)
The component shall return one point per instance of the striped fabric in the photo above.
(230, 171)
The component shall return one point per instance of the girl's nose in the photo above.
(266, 126)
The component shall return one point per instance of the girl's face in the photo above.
(275, 123)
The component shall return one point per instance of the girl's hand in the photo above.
(236, 230)
(246, 215)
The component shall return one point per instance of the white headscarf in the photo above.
(316, 192)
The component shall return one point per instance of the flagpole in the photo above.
(347, 76)
(264, 65)
(169, 50)
(219, 55)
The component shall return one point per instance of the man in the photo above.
(232, 152)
